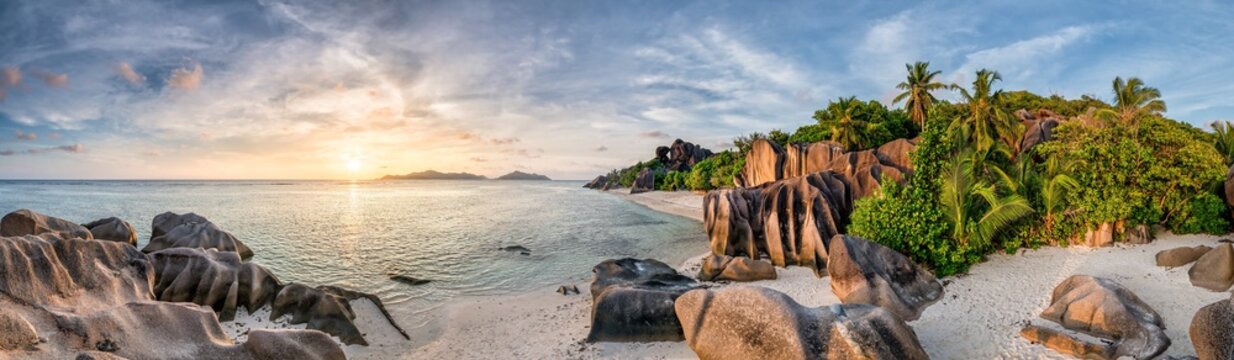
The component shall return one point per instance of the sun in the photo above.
(354, 165)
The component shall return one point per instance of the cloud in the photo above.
(1024, 59)
(10, 76)
(72, 149)
(54, 136)
(602, 148)
(479, 159)
(21, 135)
(504, 141)
(654, 134)
(152, 153)
(54, 80)
(186, 79)
(125, 71)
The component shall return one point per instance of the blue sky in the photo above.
(273, 89)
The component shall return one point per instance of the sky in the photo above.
(357, 89)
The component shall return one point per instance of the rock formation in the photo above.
(1229, 186)
(192, 231)
(863, 272)
(681, 155)
(212, 278)
(598, 183)
(1215, 269)
(1102, 308)
(743, 322)
(27, 222)
(862, 170)
(1039, 127)
(788, 220)
(1180, 256)
(95, 299)
(646, 181)
(320, 310)
(113, 229)
(1212, 331)
(632, 301)
(728, 268)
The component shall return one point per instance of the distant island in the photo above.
(434, 175)
(519, 175)
(437, 175)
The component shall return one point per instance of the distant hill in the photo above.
(434, 175)
(519, 175)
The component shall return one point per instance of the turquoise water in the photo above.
(354, 234)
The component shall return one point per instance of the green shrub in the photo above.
(715, 172)
(1206, 213)
(909, 218)
(810, 134)
(671, 181)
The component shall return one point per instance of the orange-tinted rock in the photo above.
(863, 272)
(1103, 308)
(27, 222)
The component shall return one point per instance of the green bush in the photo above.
(909, 218)
(1206, 213)
(810, 134)
(627, 176)
(671, 181)
(715, 172)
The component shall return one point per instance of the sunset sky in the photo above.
(290, 90)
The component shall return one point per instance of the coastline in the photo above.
(983, 309)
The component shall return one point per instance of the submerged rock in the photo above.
(194, 231)
(632, 301)
(743, 322)
(1180, 256)
(1212, 331)
(113, 229)
(1215, 269)
(567, 290)
(863, 272)
(413, 281)
(1102, 308)
(27, 222)
(728, 268)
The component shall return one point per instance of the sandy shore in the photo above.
(681, 203)
(979, 318)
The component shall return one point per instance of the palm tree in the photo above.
(1225, 140)
(1133, 100)
(987, 123)
(847, 130)
(917, 91)
(974, 207)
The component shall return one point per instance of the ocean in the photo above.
(357, 234)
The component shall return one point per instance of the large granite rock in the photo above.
(1215, 269)
(1180, 256)
(319, 310)
(788, 220)
(163, 223)
(1102, 308)
(113, 229)
(728, 268)
(192, 231)
(1039, 127)
(644, 182)
(1229, 186)
(863, 272)
(15, 332)
(161, 330)
(27, 222)
(764, 164)
(681, 155)
(212, 278)
(95, 299)
(1212, 331)
(743, 322)
(632, 301)
(598, 183)
(863, 170)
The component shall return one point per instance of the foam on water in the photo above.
(356, 234)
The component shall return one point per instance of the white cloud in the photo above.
(1025, 58)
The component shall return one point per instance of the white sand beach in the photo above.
(979, 318)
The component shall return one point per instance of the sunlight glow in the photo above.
(354, 165)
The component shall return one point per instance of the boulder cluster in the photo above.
(681, 155)
(1212, 267)
(1104, 309)
(69, 290)
(1039, 127)
(647, 300)
(862, 170)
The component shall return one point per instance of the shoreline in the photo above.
(985, 307)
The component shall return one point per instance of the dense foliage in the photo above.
(715, 172)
